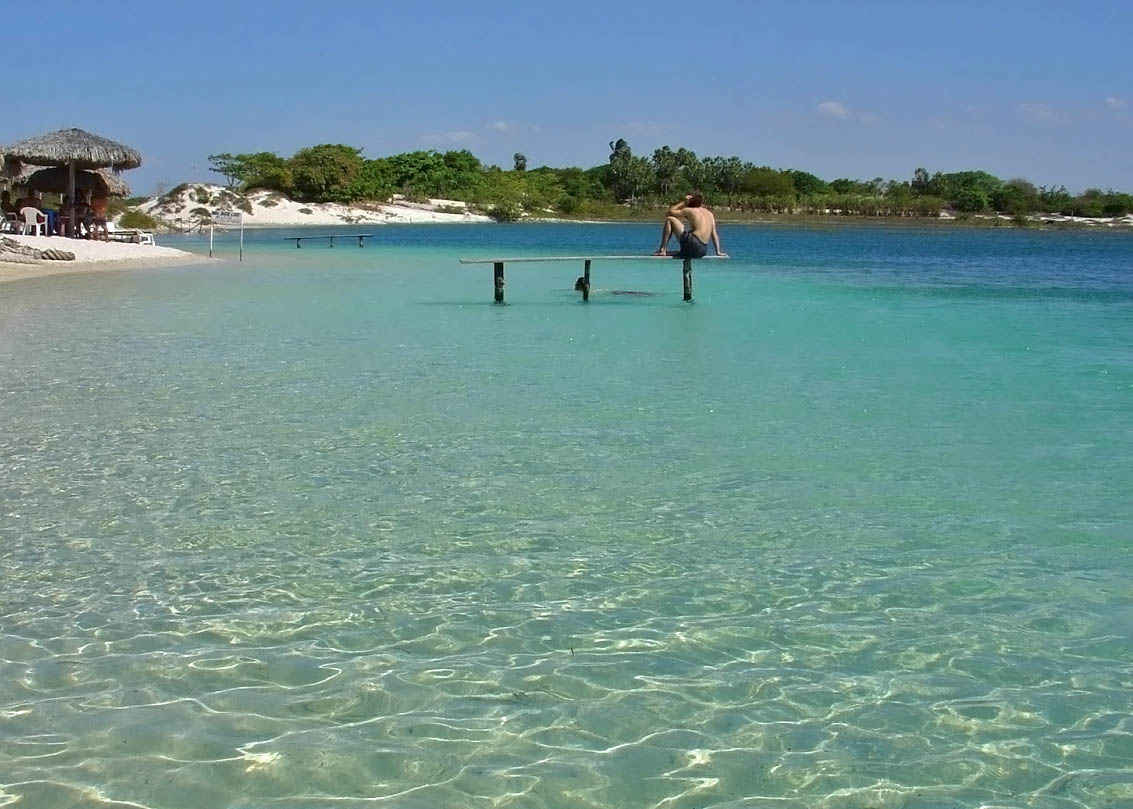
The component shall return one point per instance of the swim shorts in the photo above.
(692, 246)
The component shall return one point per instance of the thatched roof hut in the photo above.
(100, 182)
(73, 147)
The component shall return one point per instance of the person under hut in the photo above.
(32, 200)
(97, 227)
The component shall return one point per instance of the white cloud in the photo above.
(869, 118)
(499, 126)
(835, 109)
(1115, 103)
(1040, 112)
(456, 136)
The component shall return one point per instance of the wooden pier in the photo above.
(299, 239)
(498, 269)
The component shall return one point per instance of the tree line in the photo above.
(339, 173)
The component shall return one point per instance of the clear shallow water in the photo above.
(329, 529)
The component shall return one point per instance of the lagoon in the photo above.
(327, 526)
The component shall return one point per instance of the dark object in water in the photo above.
(580, 286)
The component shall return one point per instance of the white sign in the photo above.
(235, 218)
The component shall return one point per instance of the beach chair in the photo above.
(130, 235)
(32, 224)
(11, 223)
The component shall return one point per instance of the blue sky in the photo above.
(1041, 90)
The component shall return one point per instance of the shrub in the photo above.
(568, 204)
(267, 202)
(504, 213)
(455, 209)
(139, 220)
(306, 210)
(174, 192)
(201, 194)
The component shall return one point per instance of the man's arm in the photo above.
(676, 208)
(716, 241)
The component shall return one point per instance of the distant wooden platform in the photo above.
(498, 268)
(359, 236)
(583, 258)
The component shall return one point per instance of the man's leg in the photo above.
(673, 227)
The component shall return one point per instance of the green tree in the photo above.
(665, 169)
(724, 174)
(763, 181)
(228, 166)
(1015, 197)
(921, 182)
(1117, 204)
(806, 184)
(971, 200)
(950, 186)
(629, 175)
(257, 170)
(326, 173)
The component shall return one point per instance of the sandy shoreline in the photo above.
(92, 256)
(268, 209)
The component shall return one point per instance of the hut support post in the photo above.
(686, 273)
(498, 280)
(71, 190)
(586, 280)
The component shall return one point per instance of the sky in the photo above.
(1041, 90)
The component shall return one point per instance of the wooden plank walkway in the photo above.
(498, 269)
(358, 236)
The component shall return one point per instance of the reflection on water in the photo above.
(321, 531)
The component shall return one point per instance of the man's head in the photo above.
(580, 284)
(695, 199)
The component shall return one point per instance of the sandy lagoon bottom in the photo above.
(333, 530)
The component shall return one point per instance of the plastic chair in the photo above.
(32, 225)
(11, 223)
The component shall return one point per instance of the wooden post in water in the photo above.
(586, 280)
(686, 271)
(498, 280)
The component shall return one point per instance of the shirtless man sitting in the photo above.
(693, 236)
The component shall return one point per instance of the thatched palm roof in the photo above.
(65, 146)
(9, 166)
(101, 182)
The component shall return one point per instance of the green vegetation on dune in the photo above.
(629, 184)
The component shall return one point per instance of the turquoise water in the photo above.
(330, 529)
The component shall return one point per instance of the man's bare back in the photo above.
(693, 225)
(701, 221)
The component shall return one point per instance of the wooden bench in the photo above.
(359, 236)
(498, 269)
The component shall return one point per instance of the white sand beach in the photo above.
(271, 209)
(91, 255)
